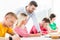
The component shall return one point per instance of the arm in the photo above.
(55, 29)
(10, 31)
(33, 30)
(14, 36)
(36, 23)
(50, 30)
(25, 34)
(21, 32)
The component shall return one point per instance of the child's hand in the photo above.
(15, 37)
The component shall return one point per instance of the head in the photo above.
(22, 20)
(31, 6)
(45, 22)
(52, 17)
(10, 19)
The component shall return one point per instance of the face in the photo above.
(31, 8)
(24, 21)
(10, 20)
(46, 24)
(53, 19)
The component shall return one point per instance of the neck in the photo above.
(42, 23)
(52, 21)
(21, 25)
(4, 24)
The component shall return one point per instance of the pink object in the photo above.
(21, 32)
(43, 30)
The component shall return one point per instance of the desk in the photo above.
(46, 37)
(38, 38)
(2, 38)
(35, 38)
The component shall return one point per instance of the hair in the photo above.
(23, 14)
(46, 20)
(52, 16)
(12, 14)
(33, 3)
(21, 17)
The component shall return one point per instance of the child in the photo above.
(52, 23)
(6, 25)
(43, 26)
(21, 29)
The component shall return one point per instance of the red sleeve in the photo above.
(44, 30)
(33, 30)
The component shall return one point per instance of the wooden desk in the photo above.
(41, 38)
(36, 38)
(2, 38)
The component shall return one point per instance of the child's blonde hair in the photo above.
(21, 17)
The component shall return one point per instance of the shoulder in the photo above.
(18, 10)
(54, 23)
(33, 27)
(9, 28)
(16, 28)
(0, 24)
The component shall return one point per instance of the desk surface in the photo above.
(38, 38)
(35, 38)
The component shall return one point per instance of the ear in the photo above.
(6, 17)
(43, 21)
(22, 22)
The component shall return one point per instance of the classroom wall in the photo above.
(12, 5)
(56, 10)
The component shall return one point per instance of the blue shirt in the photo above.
(32, 15)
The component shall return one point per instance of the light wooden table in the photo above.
(2, 38)
(35, 38)
(42, 37)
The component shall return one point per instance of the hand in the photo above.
(16, 37)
